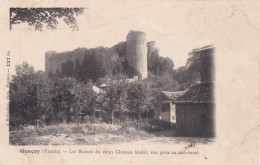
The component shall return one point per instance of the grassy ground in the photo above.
(76, 135)
(93, 134)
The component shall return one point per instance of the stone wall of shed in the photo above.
(195, 119)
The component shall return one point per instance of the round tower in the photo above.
(136, 52)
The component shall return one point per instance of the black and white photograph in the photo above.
(129, 82)
(105, 95)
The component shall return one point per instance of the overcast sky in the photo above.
(176, 30)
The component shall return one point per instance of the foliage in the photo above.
(120, 48)
(86, 101)
(138, 99)
(128, 69)
(70, 96)
(157, 125)
(166, 82)
(158, 65)
(193, 62)
(115, 98)
(34, 97)
(91, 69)
(98, 62)
(40, 17)
(27, 96)
(190, 74)
(62, 99)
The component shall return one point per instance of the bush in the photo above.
(156, 125)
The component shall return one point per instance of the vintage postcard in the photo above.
(130, 82)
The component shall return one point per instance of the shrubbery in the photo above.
(156, 125)
(38, 100)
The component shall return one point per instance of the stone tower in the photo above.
(136, 49)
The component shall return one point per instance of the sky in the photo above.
(176, 30)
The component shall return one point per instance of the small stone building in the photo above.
(195, 111)
(167, 111)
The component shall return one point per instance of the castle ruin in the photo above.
(129, 58)
(136, 50)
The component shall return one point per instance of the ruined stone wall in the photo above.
(151, 47)
(54, 61)
(107, 57)
(119, 58)
(136, 49)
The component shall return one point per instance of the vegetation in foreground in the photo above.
(83, 134)
(95, 134)
(36, 99)
(39, 100)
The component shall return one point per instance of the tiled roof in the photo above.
(203, 48)
(173, 95)
(200, 93)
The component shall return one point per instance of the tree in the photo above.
(86, 102)
(115, 98)
(167, 65)
(158, 65)
(26, 96)
(91, 69)
(138, 99)
(193, 62)
(189, 74)
(165, 82)
(24, 70)
(62, 99)
(40, 17)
